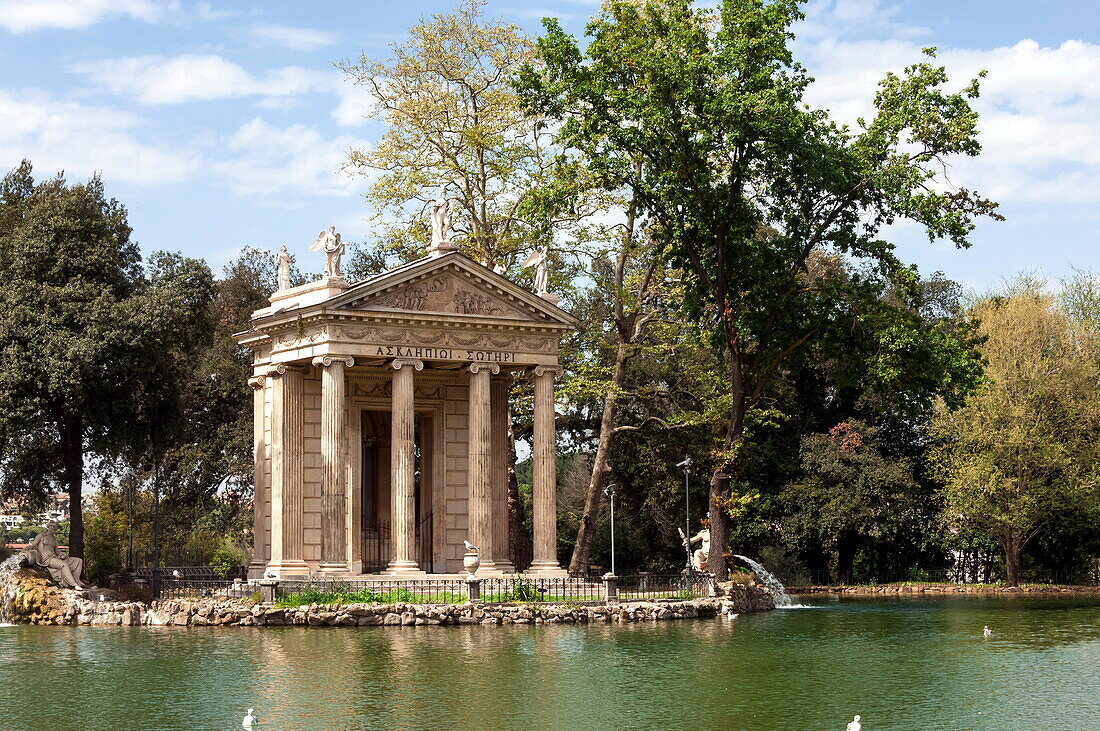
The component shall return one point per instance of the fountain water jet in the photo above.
(779, 592)
(8, 588)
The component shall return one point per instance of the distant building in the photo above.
(11, 521)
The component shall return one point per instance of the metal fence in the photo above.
(411, 591)
(523, 589)
(655, 587)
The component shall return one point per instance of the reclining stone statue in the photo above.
(42, 553)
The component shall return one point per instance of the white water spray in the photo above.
(779, 592)
(8, 588)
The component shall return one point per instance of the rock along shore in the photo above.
(949, 589)
(47, 605)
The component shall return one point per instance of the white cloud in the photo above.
(206, 11)
(298, 39)
(355, 105)
(267, 160)
(197, 77)
(22, 16)
(81, 139)
(1037, 111)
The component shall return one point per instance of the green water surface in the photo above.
(901, 664)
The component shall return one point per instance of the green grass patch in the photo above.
(311, 595)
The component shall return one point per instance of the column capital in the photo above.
(399, 363)
(547, 370)
(283, 368)
(327, 360)
(257, 382)
(479, 366)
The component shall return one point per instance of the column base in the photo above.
(256, 571)
(403, 568)
(549, 569)
(333, 568)
(505, 567)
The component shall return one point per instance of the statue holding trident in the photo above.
(699, 557)
(283, 265)
(329, 242)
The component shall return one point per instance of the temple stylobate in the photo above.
(381, 420)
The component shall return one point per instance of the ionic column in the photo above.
(334, 544)
(402, 469)
(287, 477)
(479, 475)
(545, 561)
(259, 493)
(498, 391)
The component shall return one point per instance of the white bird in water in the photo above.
(986, 631)
(470, 546)
(855, 725)
(249, 720)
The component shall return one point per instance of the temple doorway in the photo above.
(375, 519)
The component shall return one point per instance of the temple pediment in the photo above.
(448, 285)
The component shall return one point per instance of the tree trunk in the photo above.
(519, 547)
(1013, 548)
(719, 527)
(72, 454)
(578, 564)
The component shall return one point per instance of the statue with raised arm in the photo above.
(329, 241)
(699, 558)
(42, 553)
(540, 261)
(283, 264)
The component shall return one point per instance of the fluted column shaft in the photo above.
(334, 545)
(259, 489)
(402, 468)
(479, 465)
(287, 476)
(498, 395)
(544, 490)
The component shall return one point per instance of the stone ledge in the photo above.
(76, 610)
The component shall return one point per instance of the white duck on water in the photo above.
(855, 725)
(986, 632)
(249, 720)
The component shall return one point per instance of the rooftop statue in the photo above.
(329, 242)
(42, 553)
(441, 227)
(539, 260)
(283, 264)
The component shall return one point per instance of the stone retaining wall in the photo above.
(948, 589)
(73, 608)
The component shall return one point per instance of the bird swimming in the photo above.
(249, 720)
(986, 631)
(855, 725)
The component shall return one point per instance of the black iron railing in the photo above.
(411, 591)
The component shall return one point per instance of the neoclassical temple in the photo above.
(381, 419)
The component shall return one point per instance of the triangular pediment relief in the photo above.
(448, 294)
(449, 285)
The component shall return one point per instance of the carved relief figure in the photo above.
(470, 303)
(283, 265)
(411, 298)
(329, 241)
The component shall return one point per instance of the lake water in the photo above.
(902, 664)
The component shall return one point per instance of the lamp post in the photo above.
(685, 465)
(610, 492)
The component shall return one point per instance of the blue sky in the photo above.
(223, 124)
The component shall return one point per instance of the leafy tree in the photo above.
(454, 125)
(1023, 450)
(743, 183)
(90, 348)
